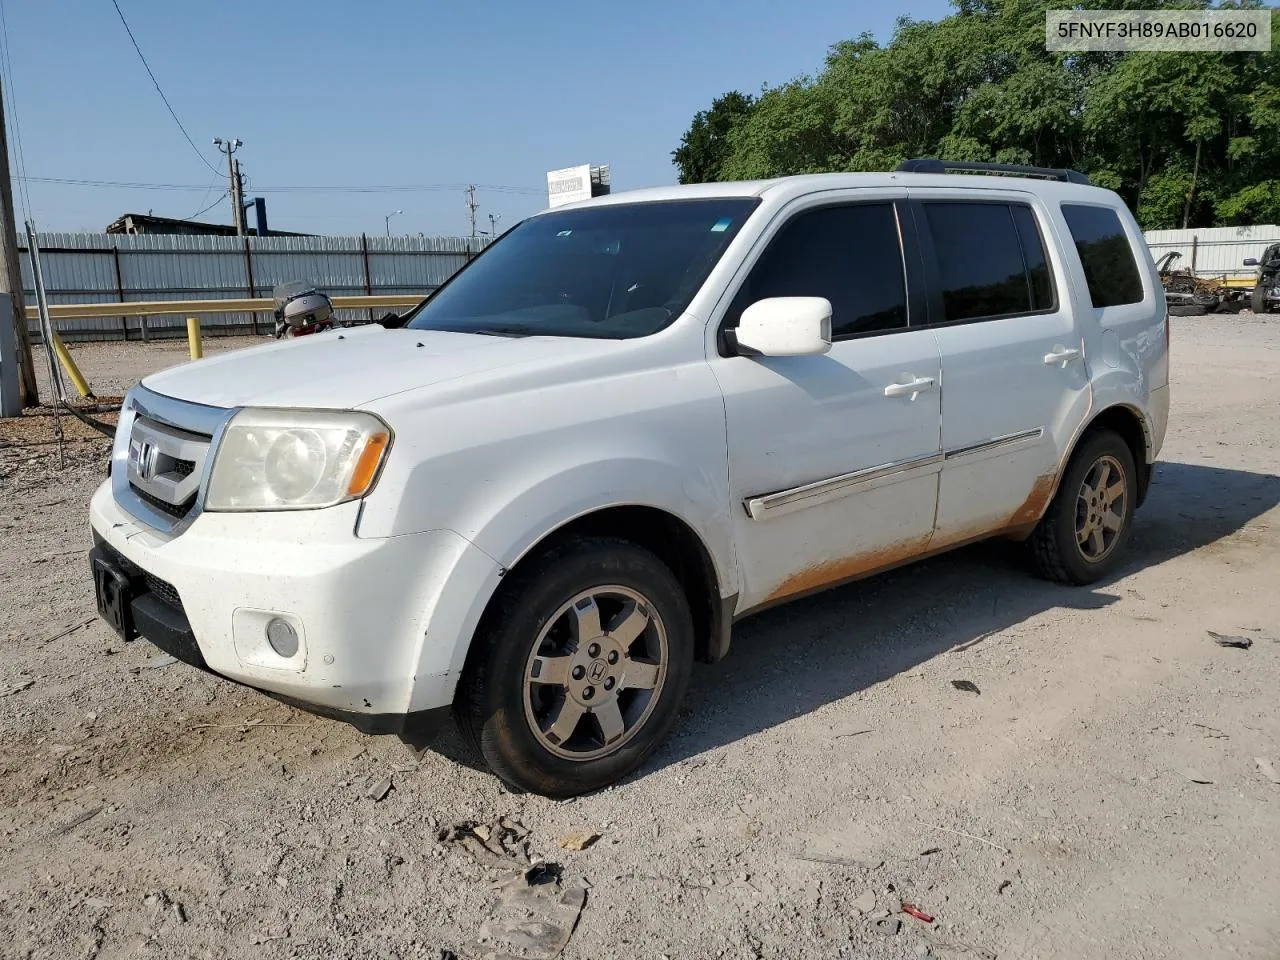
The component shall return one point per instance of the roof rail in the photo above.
(934, 165)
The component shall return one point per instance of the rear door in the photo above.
(1014, 379)
(833, 459)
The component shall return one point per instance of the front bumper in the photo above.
(383, 624)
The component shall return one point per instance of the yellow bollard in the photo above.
(69, 365)
(193, 338)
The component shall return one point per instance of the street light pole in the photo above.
(237, 200)
(387, 219)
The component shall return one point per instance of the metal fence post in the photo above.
(368, 276)
(248, 269)
(124, 321)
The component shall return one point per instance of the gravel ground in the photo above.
(1101, 796)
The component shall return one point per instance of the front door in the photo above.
(1015, 385)
(834, 459)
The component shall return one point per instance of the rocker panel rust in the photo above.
(833, 573)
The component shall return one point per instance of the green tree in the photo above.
(1187, 139)
(702, 151)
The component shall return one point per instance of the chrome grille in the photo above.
(161, 455)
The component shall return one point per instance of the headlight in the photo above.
(296, 459)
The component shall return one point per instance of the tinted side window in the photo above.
(979, 260)
(1039, 276)
(850, 255)
(1109, 267)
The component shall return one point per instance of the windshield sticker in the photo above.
(564, 233)
(721, 225)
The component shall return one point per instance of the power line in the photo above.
(19, 156)
(383, 188)
(205, 210)
(156, 82)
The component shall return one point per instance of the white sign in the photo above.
(568, 185)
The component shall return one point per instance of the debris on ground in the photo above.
(529, 924)
(75, 821)
(838, 861)
(380, 790)
(18, 688)
(1195, 776)
(930, 851)
(1268, 771)
(163, 660)
(916, 912)
(852, 733)
(535, 915)
(69, 630)
(579, 840)
(969, 836)
(503, 844)
(968, 686)
(1230, 640)
(1212, 732)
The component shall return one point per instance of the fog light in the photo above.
(282, 637)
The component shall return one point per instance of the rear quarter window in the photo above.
(1109, 266)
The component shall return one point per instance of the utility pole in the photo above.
(493, 225)
(233, 176)
(471, 208)
(11, 282)
(237, 192)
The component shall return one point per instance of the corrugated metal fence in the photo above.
(1217, 250)
(109, 268)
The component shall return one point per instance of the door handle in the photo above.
(911, 388)
(1062, 355)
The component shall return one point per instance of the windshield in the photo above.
(615, 271)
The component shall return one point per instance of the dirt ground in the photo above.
(1110, 792)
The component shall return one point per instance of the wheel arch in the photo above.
(1132, 426)
(673, 541)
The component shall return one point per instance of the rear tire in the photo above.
(530, 700)
(1082, 535)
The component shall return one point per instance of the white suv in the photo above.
(556, 484)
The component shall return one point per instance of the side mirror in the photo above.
(785, 327)
(1251, 262)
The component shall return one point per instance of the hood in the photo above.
(354, 366)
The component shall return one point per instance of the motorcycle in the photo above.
(301, 309)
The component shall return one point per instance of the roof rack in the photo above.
(934, 165)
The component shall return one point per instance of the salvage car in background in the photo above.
(1266, 293)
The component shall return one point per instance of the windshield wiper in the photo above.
(499, 332)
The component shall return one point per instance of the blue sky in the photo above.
(388, 92)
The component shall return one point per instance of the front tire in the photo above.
(578, 670)
(1080, 538)
(1258, 300)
